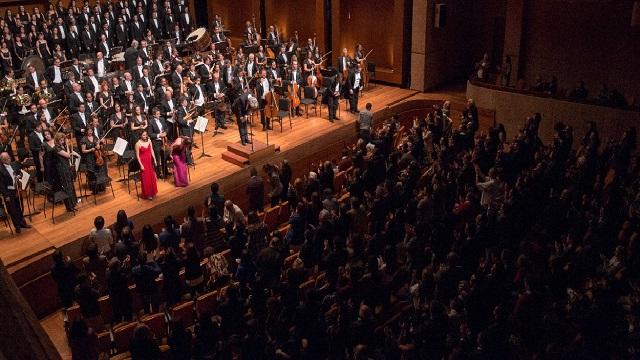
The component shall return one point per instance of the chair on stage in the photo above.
(4, 216)
(100, 179)
(284, 109)
(310, 98)
(133, 173)
(371, 69)
(56, 197)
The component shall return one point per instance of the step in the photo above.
(235, 158)
(245, 150)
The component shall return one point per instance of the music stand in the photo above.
(221, 46)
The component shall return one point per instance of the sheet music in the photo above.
(24, 180)
(76, 162)
(201, 124)
(120, 146)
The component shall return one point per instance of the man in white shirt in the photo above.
(101, 65)
(354, 86)
(233, 217)
(263, 88)
(9, 177)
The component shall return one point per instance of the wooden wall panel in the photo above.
(290, 15)
(376, 25)
(235, 13)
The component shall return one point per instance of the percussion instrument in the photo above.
(35, 61)
(200, 39)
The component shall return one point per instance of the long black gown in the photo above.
(65, 178)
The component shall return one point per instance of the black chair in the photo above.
(133, 173)
(100, 179)
(310, 98)
(41, 189)
(4, 216)
(284, 106)
(55, 198)
(124, 160)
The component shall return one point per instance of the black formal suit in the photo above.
(165, 111)
(183, 125)
(137, 31)
(137, 72)
(73, 43)
(156, 28)
(143, 100)
(176, 81)
(34, 146)
(147, 83)
(122, 35)
(79, 126)
(341, 63)
(351, 91)
(30, 120)
(186, 27)
(281, 60)
(31, 83)
(144, 55)
(221, 89)
(332, 94)
(50, 75)
(260, 92)
(88, 41)
(52, 113)
(251, 72)
(154, 131)
(8, 189)
(105, 64)
(297, 77)
(89, 86)
(240, 107)
(104, 48)
(169, 23)
(75, 101)
(75, 69)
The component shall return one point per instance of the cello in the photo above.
(270, 105)
(294, 94)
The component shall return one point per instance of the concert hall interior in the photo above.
(320, 179)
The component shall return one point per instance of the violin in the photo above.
(99, 155)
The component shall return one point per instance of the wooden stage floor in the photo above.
(16, 250)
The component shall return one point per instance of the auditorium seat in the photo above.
(271, 218)
(122, 335)
(73, 313)
(157, 324)
(183, 312)
(105, 309)
(207, 302)
(104, 342)
(285, 213)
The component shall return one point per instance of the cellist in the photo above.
(295, 76)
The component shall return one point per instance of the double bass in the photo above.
(294, 94)
(270, 105)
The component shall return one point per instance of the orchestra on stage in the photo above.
(124, 83)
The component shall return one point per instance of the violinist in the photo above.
(218, 90)
(274, 73)
(89, 146)
(261, 58)
(251, 67)
(64, 177)
(158, 135)
(273, 38)
(359, 54)
(283, 59)
(309, 66)
(36, 138)
(79, 121)
(105, 98)
(196, 92)
(118, 122)
(45, 111)
(354, 85)
(262, 88)
(9, 177)
(332, 94)
(91, 105)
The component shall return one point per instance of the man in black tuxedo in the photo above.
(218, 90)
(169, 23)
(33, 78)
(137, 31)
(344, 62)
(176, 79)
(242, 108)
(75, 98)
(122, 33)
(9, 176)
(54, 75)
(353, 88)
(73, 41)
(157, 133)
(155, 25)
(79, 122)
(332, 94)
(88, 39)
(186, 23)
(263, 86)
(282, 59)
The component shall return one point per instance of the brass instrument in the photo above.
(22, 99)
(40, 94)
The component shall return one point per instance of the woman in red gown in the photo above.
(147, 161)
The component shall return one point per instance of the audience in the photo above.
(457, 243)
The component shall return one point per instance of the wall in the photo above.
(512, 109)
(377, 25)
(575, 40)
(307, 17)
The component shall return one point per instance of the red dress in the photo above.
(148, 175)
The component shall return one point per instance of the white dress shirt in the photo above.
(57, 75)
(13, 176)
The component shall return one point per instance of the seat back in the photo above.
(371, 67)
(105, 309)
(309, 92)
(184, 313)
(156, 323)
(207, 303)
(133, 166)
(73, 313)
(271, 218)
(122, 336)
(104, 343)
(285, 213)
(284, 104)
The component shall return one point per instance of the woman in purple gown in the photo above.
(179, 156)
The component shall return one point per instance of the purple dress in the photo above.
(179, 156)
